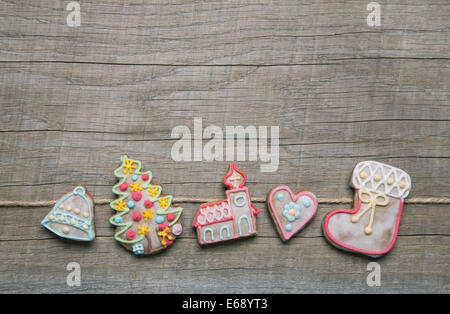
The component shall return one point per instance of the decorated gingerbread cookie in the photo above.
(290, 212)
(231, 218)
(72, 217)
(371, 227)
(145, 221)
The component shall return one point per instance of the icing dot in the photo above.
(292, 212)
(148, 203)
(51, 217)
(390, 181)
(137, 216)
(130, 204)
(402, 184)
(163, 226)
(177, 229)
(118, 220)
(288, 227)
(62, 218)
(134, 177)
(130, 234)
(68, 208)
(137, 196)
(85, 227)
(65, 229)
(280, 197)
(77, 211)
(170, 216)
(85, 214)
(145, 177)
(363, 174)
(123, 187)
(73, 221)
(377, 177)
(306, 203)
(159, 219)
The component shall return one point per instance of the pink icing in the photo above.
(136, 196)
(170, 216)
(130, 234)
(123, 187)
(288, 235)
(355, 249)
(145, 177)
(137, 216)
(163, 226)
(148, 203)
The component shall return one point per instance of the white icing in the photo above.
(214, 213)
(369, 183)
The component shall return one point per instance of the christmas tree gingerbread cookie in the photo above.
(371, 227)
(72, 217)
(290, 212)
(145, 221)
(228, 219)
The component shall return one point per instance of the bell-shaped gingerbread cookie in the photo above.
(371, 227)
(72, 217)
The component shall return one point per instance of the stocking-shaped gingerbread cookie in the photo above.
(371, 227)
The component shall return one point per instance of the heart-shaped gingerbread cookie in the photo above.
(290, 212)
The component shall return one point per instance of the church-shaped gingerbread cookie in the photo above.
(231, 218)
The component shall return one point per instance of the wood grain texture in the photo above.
(72, 100)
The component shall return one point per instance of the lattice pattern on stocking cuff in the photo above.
(381, 178)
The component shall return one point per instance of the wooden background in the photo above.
(72, 100)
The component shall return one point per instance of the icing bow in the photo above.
(372, 200)
(166, 234)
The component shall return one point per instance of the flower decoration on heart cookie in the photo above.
(291, 211)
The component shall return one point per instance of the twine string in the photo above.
(337, 200)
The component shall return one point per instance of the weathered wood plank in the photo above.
(65, 118)
(72, 100)
(254, 265)
(217, 32)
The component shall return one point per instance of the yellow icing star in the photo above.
(128, 166)
(120, 205)
(148, 214)
(143, 229)
(153, 191)
(165, 234)
(163, 203)
(135, 186)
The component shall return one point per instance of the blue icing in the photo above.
(291, 211)
(306, 203)
(130, 204)
(288, 227)
(159, 219)
(134, 177)
(280, 197)
(138, 249)
(118, 220)
(241, 203)
(79, 191)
